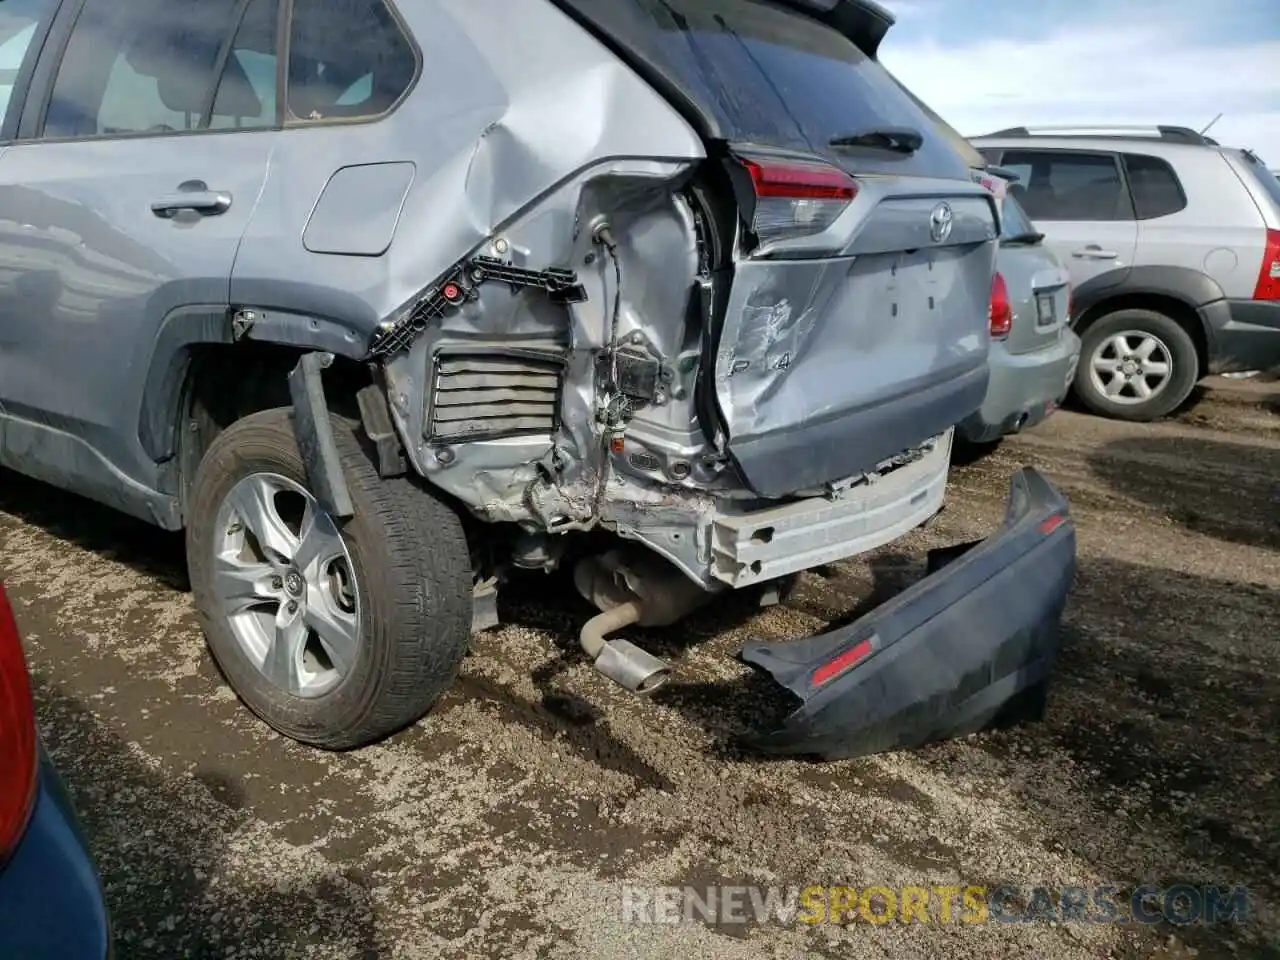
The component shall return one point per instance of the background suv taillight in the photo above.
(1000, 315)
(1269, 278)
(796, 198)
(17, 734)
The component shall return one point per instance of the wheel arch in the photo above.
(209, 367)
(1177, 292)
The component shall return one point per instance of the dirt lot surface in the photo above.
(505, 824)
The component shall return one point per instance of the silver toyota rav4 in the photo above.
(381, 303)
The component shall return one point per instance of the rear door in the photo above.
(140, 153)
(854, 326)
(1081, 202)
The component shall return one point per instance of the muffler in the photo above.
(639, 591)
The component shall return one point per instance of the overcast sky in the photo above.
(1000, 63)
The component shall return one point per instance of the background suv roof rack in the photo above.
(1170, 134)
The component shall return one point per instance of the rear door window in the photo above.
(348, 60)
(1014, 221)
(764, 73)
(1155, 187)
(1067, 186)
(246, 93)
(19, 20)
(146, 66)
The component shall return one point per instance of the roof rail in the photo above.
(1170, 134)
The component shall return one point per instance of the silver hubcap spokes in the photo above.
(1131, 367)
(283, 577)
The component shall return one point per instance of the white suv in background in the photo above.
(1173, 243)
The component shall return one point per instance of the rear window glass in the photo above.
(1270, 184)
(1014, 221)
(1154, 185)
(764, 73)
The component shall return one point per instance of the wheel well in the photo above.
(227, 382)
(1177, 310)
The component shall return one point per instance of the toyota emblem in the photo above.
(940, 222)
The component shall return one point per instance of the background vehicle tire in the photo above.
(964, 452)
(376, 608)
(1125, 350)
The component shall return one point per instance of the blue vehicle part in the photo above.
(51, 902)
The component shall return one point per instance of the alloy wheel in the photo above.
(286, 584)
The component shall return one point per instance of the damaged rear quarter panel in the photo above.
(521, 126)
(513, 99)
(500, 476)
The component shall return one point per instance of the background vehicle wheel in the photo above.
(336, 633)
(1136, 365)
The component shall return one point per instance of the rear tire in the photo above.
(389, 633)
(1124, 350)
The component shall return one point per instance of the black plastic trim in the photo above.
(1192, 287)
(971, 645)
(168, 359)
(375, 417)
(1246, 336)
(314, 431)
(167, 368)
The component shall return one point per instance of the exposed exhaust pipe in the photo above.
(621, 660)
(642, 591)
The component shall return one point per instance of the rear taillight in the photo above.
(1000, 316)
(17, 734)
(796, 198)
(1269, 278)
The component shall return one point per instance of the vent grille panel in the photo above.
(490, 395)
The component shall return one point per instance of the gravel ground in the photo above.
(505, 823)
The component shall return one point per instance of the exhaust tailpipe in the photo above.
(642, 593)
(621, 660)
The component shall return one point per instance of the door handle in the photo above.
(207, 203)
(1094, 252)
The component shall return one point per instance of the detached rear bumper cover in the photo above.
(944, 658)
